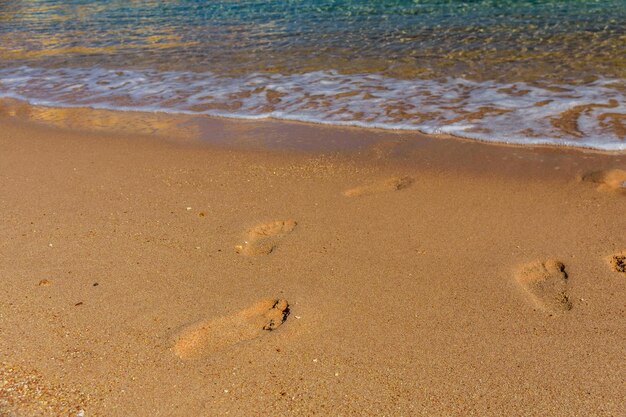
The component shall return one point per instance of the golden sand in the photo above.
(384, 274)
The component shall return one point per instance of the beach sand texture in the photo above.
(144, 277)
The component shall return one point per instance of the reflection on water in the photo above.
(85, 119)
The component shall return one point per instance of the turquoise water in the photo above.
(517, 71)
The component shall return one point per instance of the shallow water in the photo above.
(517, 71)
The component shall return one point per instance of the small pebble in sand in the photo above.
(44, 282)
(188, 208)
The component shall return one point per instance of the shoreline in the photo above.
(9, 105)
(144, 271)
(367, 146)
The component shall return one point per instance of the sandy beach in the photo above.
(253, 272)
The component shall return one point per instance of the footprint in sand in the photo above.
(390, 184)
(546, 285)
(263, 239)
(618, 262)
(212, 335)
(609, 180)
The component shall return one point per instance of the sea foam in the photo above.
(587, 115)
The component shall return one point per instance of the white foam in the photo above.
(367, 100)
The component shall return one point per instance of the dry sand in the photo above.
(402, 276)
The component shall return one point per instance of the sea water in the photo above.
(526, 72)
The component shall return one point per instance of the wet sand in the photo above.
(144, 276)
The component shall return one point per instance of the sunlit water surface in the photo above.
(517, 71)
